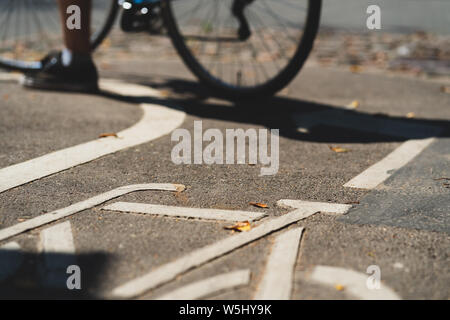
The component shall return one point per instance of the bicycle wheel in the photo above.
(243, 48)
(29, 29)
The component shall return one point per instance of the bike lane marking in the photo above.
(199, 213)
(277, 280)
(81, 206)
(171, 270)
(355, 283)
(419, 137)
(59, 252)
(209, 286)
(324, 207)
(157, 121)
(382, 170)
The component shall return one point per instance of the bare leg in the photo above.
(72, 69)
(77, 41)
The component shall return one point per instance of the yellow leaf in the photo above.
(339, 149)
(240, 226)
(339, 287)
(355, 68)
(353, 105)
(445, 89)
(259, 205)
(105, 135)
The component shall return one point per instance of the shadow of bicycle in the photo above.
(297, 119)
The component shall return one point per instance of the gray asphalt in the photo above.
(115, 247)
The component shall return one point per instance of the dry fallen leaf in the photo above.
(353, 105)
(164, 93)
(355, 68)
(339, 149)
(445, 89)
(339, 287)
(259, 205)
(240, 226)
(410, 115)
(105, 135)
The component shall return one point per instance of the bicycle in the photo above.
(236, 48)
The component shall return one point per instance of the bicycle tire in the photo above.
(269, 88)
(96, 39)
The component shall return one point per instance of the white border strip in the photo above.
(170, 271)
(379, 172)
(156, 122)
(59, 253)
(317, 206)
(355, 283)
(199, 213)
(209, 286)
(278, 276)
(80, 206)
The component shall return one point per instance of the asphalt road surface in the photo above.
(394, 216)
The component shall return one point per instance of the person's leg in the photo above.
(77, 40)
(72, 69)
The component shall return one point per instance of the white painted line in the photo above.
(156, 122)
(317, 206)
(365, 123)
(11, 258)
(10, 77)
(128, 89)
(379, 172)
(199, 213)
(209, 286)
(355, 283)
(59, 253)
(58, 239)
(80, 206)
(169, 271)
(279, 273)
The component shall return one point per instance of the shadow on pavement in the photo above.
(25, 275)
(325, 123)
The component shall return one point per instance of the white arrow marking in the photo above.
(278, 276)
(353, 282)
(209, 286)
(156, 122)
(199, 213)
(170, 271)
(83, 205)
(317, 206)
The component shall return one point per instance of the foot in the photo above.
(78, 74)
